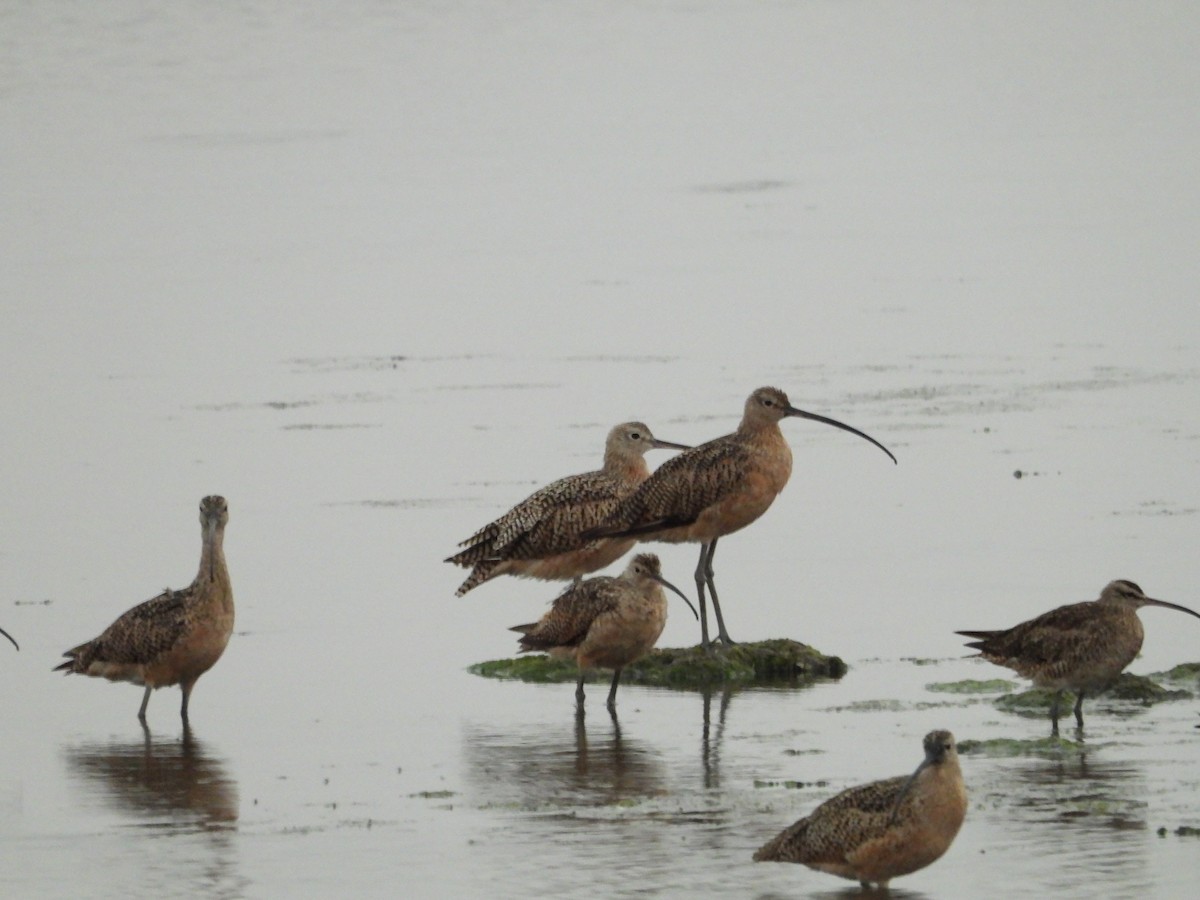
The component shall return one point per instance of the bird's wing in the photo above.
(682, 487)
(144, 632)
(546, 522)
(572, 613)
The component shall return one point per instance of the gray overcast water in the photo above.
(375, 271)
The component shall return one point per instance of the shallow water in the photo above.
(376, 275)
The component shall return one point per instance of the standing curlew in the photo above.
(175, 637)
(1081, 647)
(604, 621)
(879, 831)
(715, 489)
(10, 637)
(540, 536)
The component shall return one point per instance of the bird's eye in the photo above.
(635, 435)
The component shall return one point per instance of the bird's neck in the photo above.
(634, 470)
(212, 557)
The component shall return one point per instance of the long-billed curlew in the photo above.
(1081, 647)
(879, 831)
(173, 638)
(603, 621)
(540, 536)
(715, 489)
(11, 638)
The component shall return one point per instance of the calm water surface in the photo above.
(376, 273)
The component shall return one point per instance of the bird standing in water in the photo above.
(879, 831)
(605, 622)
(1081, 647)
(173, 638)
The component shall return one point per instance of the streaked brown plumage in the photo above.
(879, 831)
(540, 536)
(1081, 647)
(716, 489)
(10, 637)
(604, 622)
(173, 638)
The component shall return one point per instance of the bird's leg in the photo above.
(612, 692)
(704, 645)
(579, 689)
(145, 701)
(1079, 710)
(722, 634)
(1054, 713)
(186, 687)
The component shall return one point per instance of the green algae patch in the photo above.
(789, 784)
(537, 669)
(973, 686)
(1129, 688)
(1184, 673)
(775, 662)
(1009, 747)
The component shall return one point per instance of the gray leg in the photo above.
(579, 689)
(712, 590)
(700, 593)
(1079, 710)
(612, 692)
(186, 687)
(145, 700)
(1054, 714)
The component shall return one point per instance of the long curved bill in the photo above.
(925, 763)
(10, 637)
(668, 584)
(799, 413)
(1150, 602)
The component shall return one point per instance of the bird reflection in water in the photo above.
(541, 767)
(175, 782)
(710, 735)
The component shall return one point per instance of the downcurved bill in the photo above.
(1150, 602)
(912, 779)
(10, 637)
(668, 584)
(799, 413)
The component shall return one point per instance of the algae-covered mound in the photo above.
(773, 662)
(1184, 673)
(1132, 688)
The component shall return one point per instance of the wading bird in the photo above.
(1081, 647)
(605, 622)
(715, 489)
(173, 638)
(879, 831)
(540, 536)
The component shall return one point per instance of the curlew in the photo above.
(604, 621)
(875, 832)
(173, 638)
(540, 536)
(715, 489)
(11, 638)
(1081, 647)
